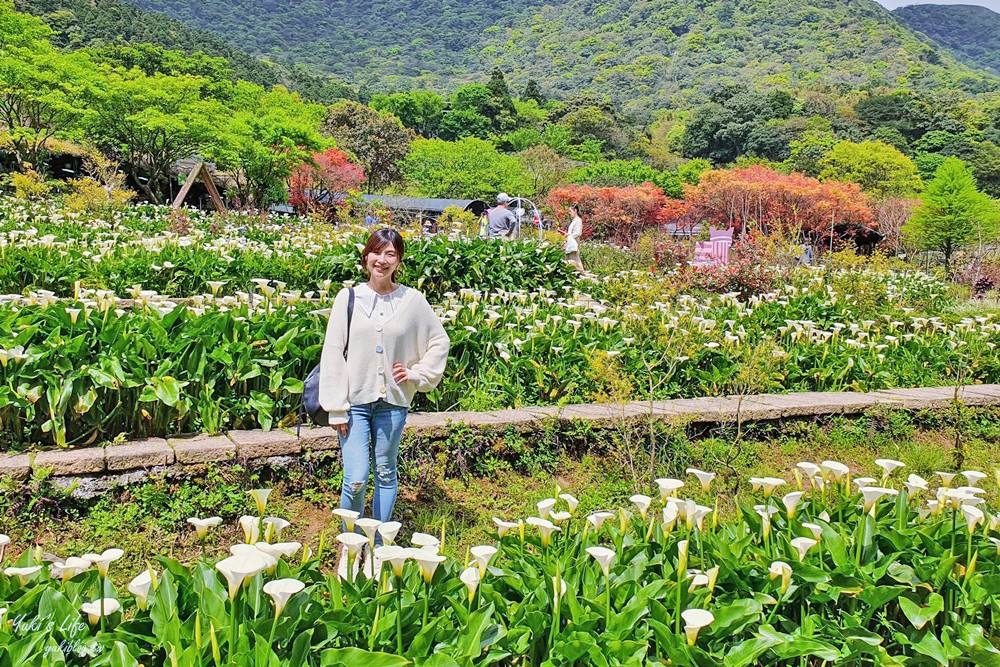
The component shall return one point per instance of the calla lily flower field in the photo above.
(817, 567)
(91, 349)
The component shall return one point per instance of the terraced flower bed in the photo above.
(817, 567)
(78, 366)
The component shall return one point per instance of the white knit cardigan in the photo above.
(412, 336)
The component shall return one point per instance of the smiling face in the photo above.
(382, 263)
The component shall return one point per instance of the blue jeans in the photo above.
(373, 432)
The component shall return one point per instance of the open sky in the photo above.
(992, 4)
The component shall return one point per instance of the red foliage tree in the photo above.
(324, 182)
(758, 198)
(618, 215)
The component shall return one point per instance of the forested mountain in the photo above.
(100, 23)
(645, 53)
(970, 30)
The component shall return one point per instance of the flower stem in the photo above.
(427, 598)
(607, 600)
(232, 625)
(274, 627)
(399, 615)
(677, 606)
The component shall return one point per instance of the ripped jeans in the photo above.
(373, 433)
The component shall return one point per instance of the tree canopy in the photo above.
(952, 213)
(469, 168)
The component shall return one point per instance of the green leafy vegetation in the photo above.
(232, 348)
(708, 568)
(954, 213)
(120, 31)
(648, 55)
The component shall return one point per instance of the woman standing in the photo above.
(573, 234)
(396, 348)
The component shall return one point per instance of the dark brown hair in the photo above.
(377, 243)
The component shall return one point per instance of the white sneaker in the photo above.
(342, 565)
(368, 557)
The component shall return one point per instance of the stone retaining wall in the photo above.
(89, 471)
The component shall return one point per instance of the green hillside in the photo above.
(970, 30)
(98, 23)
(651, 53)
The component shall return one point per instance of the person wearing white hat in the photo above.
(501, 223)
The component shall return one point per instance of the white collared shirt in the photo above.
(378, 307)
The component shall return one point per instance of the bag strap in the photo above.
(350, 313)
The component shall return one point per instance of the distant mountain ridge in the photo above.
(95, 23)
(969, 30)
(646, 54)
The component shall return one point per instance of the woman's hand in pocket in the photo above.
(340, 428)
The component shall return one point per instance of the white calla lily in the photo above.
(396, 556)
(545, 507)
(260, 497)
(426, 541)
(388, 530)
(428, 562)
(974, 477)
(281, 591)
(251, 528)
(604, 558)
(73, 566)
(545, 529)
(704, 477)
(915, 485)
(815, 529)
(888, 466)
(872, 494)
(791, 502)
(560, 517)
(369, 527)
(504, 527)
(482, 555)
(23, 574)
(348, 517)
(597, 519)
(471, 576)
(945, 477)
(103, 560)
(201, 526)
(139, 588)
(274, 526)
(571, 501)
(767, 484)
(834, 470)
(100, 608)
(353, 541)
(641, 503)
(973, 517)
(783, 570)
(802, 545)
(668, 487)
(694, 621)
(237, 569)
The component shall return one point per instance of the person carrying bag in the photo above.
(310, 390)
(398, 347)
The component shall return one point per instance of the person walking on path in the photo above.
(501, 222)
(573, 234)
(397, 347)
